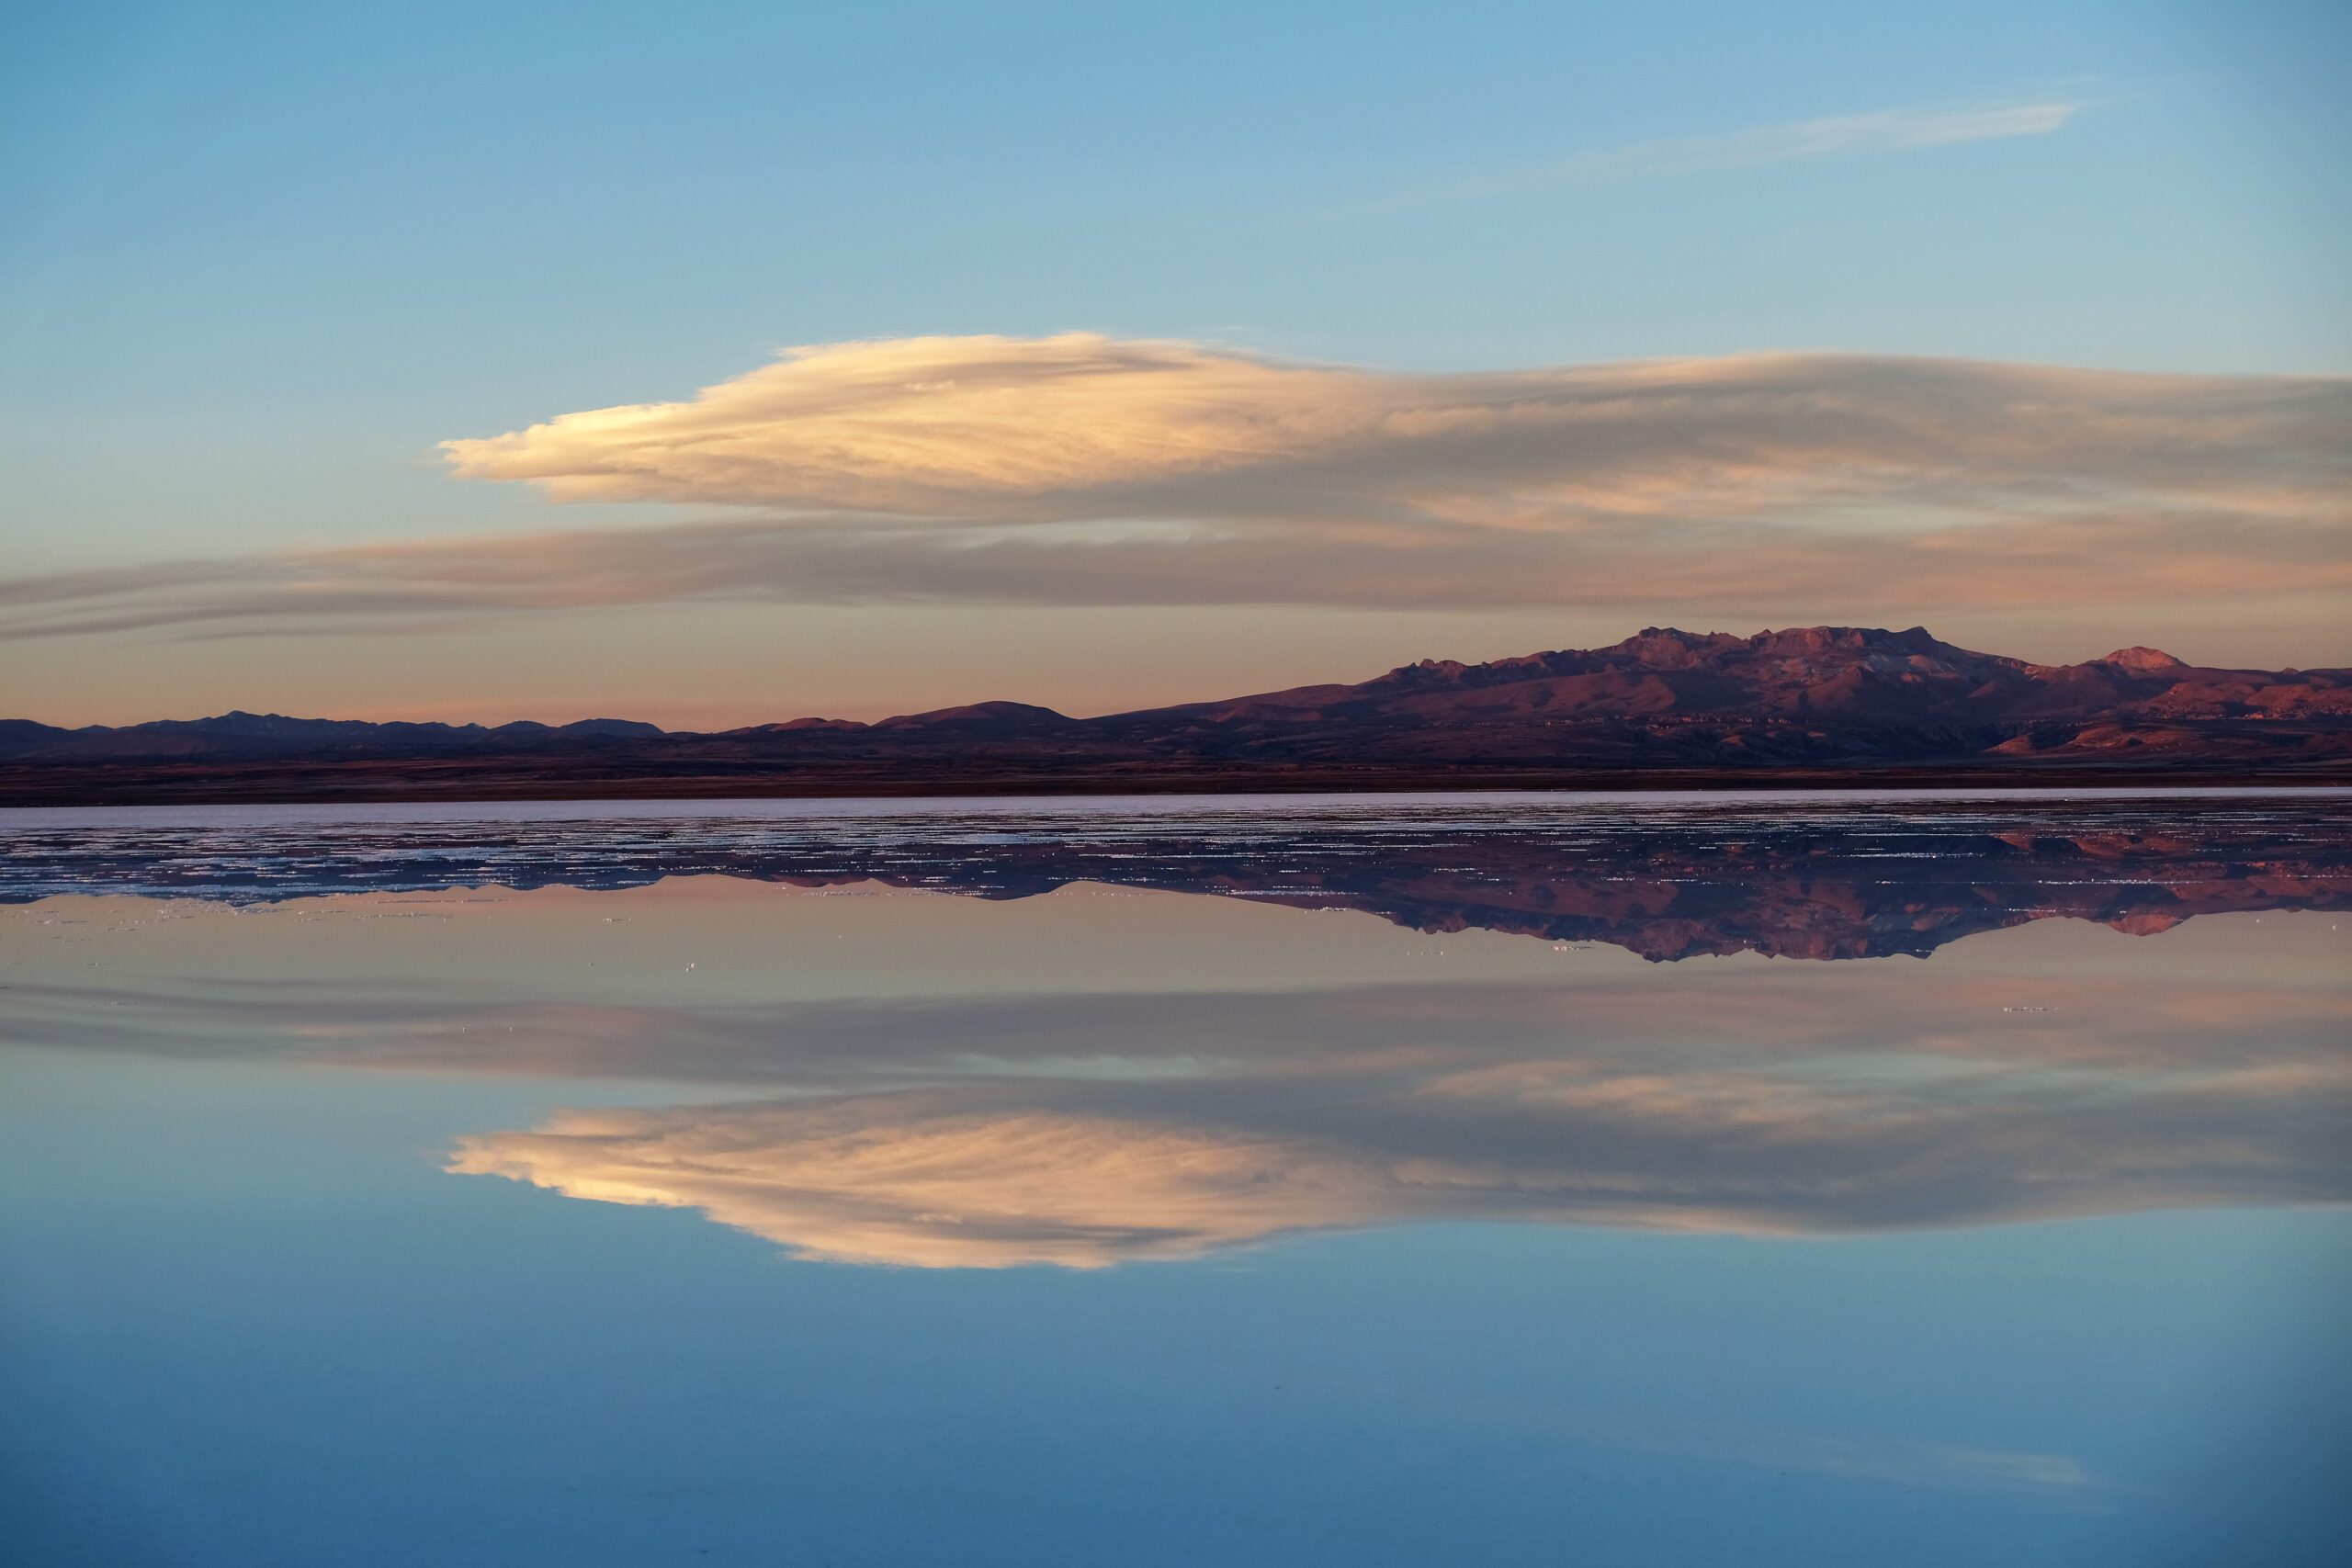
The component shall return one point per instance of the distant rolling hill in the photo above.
(1826, 704)
(243, 736)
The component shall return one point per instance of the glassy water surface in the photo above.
(1484, 1180)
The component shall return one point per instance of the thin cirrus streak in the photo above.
(1880, 130)
(1880, 1457)
(1082, 470)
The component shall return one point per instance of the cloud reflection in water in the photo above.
(1748, 1104)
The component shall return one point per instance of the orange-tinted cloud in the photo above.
(916, 1179)
(1081, 426)
(1081, 469)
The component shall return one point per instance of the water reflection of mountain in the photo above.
(1665, 878)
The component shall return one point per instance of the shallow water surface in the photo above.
(1484, 1180)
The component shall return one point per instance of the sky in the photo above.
(725, 363)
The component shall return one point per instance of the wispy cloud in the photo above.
(1885, 130)
(1879, 131)
(1082, 470)
(1879, 1457)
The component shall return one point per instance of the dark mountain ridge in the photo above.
(1827, 702)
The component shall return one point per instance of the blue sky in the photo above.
(263, 260)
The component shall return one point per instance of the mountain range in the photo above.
(1816, 704)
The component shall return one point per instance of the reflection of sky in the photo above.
(1095, 1077)
(247, 1306)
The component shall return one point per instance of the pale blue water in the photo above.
(1557, 1180)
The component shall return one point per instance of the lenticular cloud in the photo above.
(1089, 470)
(1077, 426)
